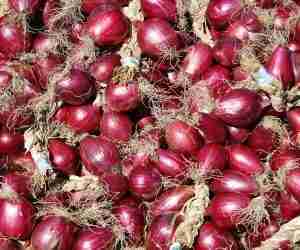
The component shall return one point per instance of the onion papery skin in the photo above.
(13, 39)
(10, 142)
(130, 215)
(293, 117)
(217, 78)
(226, 51)
(45, 67)
(280, 66)
(145, 182)
(170, 164)
(224, 209)
(122, 97)
(23, 160)
(284, 157)
(161, 232)
(83, 118)
(94, 239)
(27, 6)
(98, 154)
(16, 220)
(116, 185)
(221, 12)
(289, 207)
(292, 183)
(233, 181)
(63, 157)
(182, 138)
(116, 126)
(103, 68)
(54, 232)
(239, 108)
(75, 89)
(164, 9)
(5, 80)
(99, 25)
(156, 38)
(88, 6)
(211, 237)
(211, 158)
(198, 59)
(244, 159)
(263, 141)
(20, 183)
(171, 201)
(7, 244)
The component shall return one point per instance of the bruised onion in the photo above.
(54, 232)
(145, 182)
(16, 219)
(233, 181)
(10, 142)
(116, 126)
(98, 154)
(182, 138)
(75, 88)
(97, 238)
(239, 107)
(211, 237)
(63, 157)
(171, 201)
(157, 38)
(244, 159)
(99, 26)
(165, 9)
(122, 97)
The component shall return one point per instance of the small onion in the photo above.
(239, 107)
(98, 154)
(145, 182)
(244, 159)
(165, 9)
(54, 232)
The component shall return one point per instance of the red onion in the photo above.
(82, 119)
(266, 4)
(221, 12)
(294, 46)
(157, 38)
(131, 218)
(295, 58)
(116, 185)
(284, 157)
(226, 51)
(44, 68)
(23, 160)
(211, 158)
(217, 78)
(103, 68)
(8, 244)
(43, 43)
(210, 237)
(170, 164)
(237, 135)
(198, 59)
(238, 30)
(293, 117)
(94, 239)
(88, 6)
(289, 207)
(99, 25)
(145, 182)
(234, 181)
(244, 159)
(182, 138)
(13, 38)
(10, 142)
(225, 209)
(28, 6)
(280, 66)
(292, 183)
(54, 232)
(63, 157)
(164, 9)
(98, 154)
(240, 75)
(76, 88)
(122, 96)
(20, 183)
(16, 220)
(239, 107)
(116, 126)
(171, 201)
(161, 232)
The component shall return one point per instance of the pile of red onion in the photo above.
(149, 125)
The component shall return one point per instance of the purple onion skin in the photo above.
(7, 244)
(164, 9)
(54, 233)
